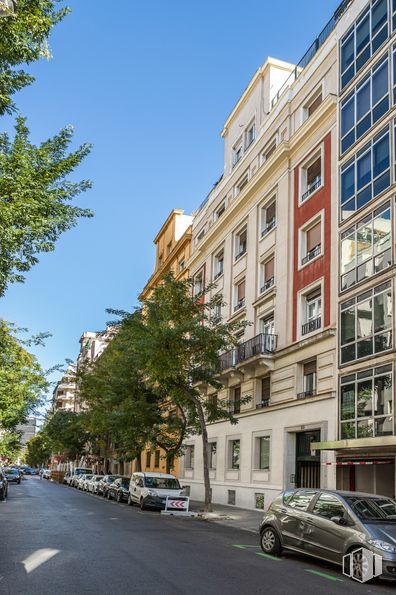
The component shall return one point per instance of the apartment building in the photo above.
(64, 395)
(267, 236)
(365, 447)
(173, 250)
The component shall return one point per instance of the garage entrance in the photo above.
(307, 466)
(372, 475)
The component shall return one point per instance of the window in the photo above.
(157, 458)
(328, 506)
(365, 105)
(366, 175)
(268, 218)
(311, 176)
(394, 14)
(366, 324)
(216, 316)
(212, 455)
(200, 236)
(219, 264)
(235, 447)
(259, 500)
(189, 457)
(240, 243)
(309, 378)
(264, 395)
(213, 400)
(161, 259)
(313, 104)
(268, 151)
(267, 325)
(301, 500)
(264, 453)
(169, 248)
(366, 247)
(311, 242)
(220, 210)
(312, 314)
(240, 185)
(366, 404)
(239, 295)
(148, 459)
(237, 153)
(198, 284)
(182, 265)
(250, 135)
(236, 399)
(267, 275)
(231, 497)
(364, 38)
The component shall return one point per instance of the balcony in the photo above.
(259, 345)
(267, 285)
(240, 254)
(218, 274)
(263, 404)
(312, 254)
(239, 305)
(306, 395)
(311, 326)
(312, 186)
(269, 227)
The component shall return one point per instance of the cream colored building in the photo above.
(64, 395)
(267, 235)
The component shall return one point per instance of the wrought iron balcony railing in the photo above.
(314, 185)
(259, 345)
(306, 394)
(263, 404)
(239, 305)
(311, 326)
(267, 285)
(270, 225)
(312, 254)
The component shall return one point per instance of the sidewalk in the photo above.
(231, 516)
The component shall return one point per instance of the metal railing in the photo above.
(306, 394)
(267, 285)
(263, 404)
(312, 254)
(217, 275)
(259, 345)
(311, 326)
(311, 188)
(312, 50)
(240, 254)
(239, 305)
(268, 227)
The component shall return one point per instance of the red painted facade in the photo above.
(319, 268)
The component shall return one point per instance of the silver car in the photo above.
(330, 524)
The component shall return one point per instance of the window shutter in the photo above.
(241, 291)
(314, 237)
(313, 295)
(270, 212)
(310, 368)
(269, 270)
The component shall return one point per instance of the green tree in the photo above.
(23, 40)
(64, 433)
(22, 381)
(38, 450)
(177, 341)
(34, 198)
(10, 444)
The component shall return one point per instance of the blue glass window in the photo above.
(365, 105)
(366, 175)
(368, 33)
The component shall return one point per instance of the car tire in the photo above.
(108, 495)
(3, 495)
(270, 542)
(142, 505)
(118, 497)
(358, 572)
(130, 503)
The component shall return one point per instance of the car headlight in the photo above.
(383, 545)
(152, 493)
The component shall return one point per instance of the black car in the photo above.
(119, 489)
(3, 485)
(12, 475)
(105, 482)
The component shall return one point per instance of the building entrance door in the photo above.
(307, 466)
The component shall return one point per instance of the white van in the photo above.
(150, 490)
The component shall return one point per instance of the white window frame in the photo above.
(301, 311)
(220, 209)
(244, 180)
(216, 272)
(302, 239)
(230, 440)
(238, 147)
(189, 447)
(239, 305)
(311, 99)
(267, 226)
(199, 275)
(268, 146)
(303, 189)
(237, 234)
(262, 289)
(251, 126)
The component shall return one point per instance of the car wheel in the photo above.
(2, 495)
(108, 495)
(129, 500)
(270, 542)
(360, 564)
(118, 497)
(142, 505)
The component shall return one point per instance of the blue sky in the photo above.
(150, 85)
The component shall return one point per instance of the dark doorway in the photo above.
(307, 466)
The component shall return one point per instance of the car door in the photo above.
(133, 488)
(292, 518)
(322, 536)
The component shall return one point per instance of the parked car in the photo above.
(104, 483)
(330, 524)
(13, 475)
(76, 475)
(46, 473)
(3, 485)
(92, 484)
(66, 477)
(150, 490)
(82, 484)
(119, 489)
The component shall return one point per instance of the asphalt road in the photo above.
(55, 540)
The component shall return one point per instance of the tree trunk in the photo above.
(138, 462)
(205, 450)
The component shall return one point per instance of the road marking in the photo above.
(268, 556)
(329, 577)
(244, 547)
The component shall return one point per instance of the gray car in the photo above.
(330, 524)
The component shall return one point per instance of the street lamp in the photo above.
(8, 8)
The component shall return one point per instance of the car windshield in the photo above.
(88, 476)
(111, 478)
(98, 478)
(162, 483)
(125, 482)
(12, 471)
(373, 509)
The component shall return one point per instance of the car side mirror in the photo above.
(340, 520)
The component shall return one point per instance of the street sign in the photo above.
(177, 506)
